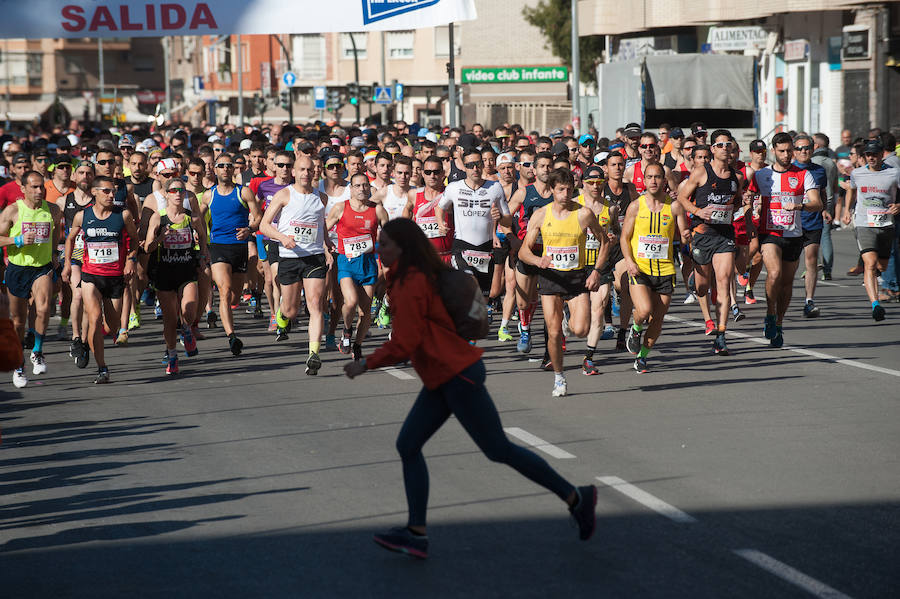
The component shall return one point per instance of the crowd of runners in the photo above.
(189, 226)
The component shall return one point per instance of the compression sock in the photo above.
(589, 354)
(645, 351)
(504, 323)
(525, 318)
(38, 343)
(637, 328)
(314, 347)
(559, 377)
(280, 320)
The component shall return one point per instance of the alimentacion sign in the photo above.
(515, 75)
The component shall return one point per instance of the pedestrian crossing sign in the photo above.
(383, 95)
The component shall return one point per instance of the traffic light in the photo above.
(285, 97)
(353, 92)
(334, 100)
(365, 93)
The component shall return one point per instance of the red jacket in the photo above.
(11, 354)
(422, 333)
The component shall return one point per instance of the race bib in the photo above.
(305, 233)
(429, 226)
(41, 231)
(103, 252)
(591, 242)
(477, 260)
(653, 247)
(563, 258)
(739, 213)
(721, 214)
(79, 241)
(878, 217)
(178, 239)
(357, 246)
(779, 218)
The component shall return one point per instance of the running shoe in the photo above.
(157, 311)
(83, 356)
(583, 511)
(246, 296)
(559, 388)
(490, 313)
(134, 320)
(210, 320)
(356, 353)
(690, 298)
(810, 309)
(281, 334)
(344, 347)
(313, 364)
(524, 344)
(620, 340)
(165, 358)
(546, 363)
(384, 318)
(719, 346)
(75, 347)
(149, 297)
(826, 276)
(273, 324)
(172, 365)
(743, 279)
(190, 344)
(102, 377)
(640, 365)
(770, 328)
(736, 313)
(62, 332)
(878, 313)
(402, 540)
(235, 344)
(330, 343)
(38, 363)
(19, 378)
(609, 332)
(588, 368)
(634, 342)
(749, 298)
(710, 327)
(122, 338)
(503, 334)
(778, 339)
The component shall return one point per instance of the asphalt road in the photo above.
(768, 473)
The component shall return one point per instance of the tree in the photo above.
(554, 19)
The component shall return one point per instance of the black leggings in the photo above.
(465, 397)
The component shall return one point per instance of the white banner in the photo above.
(146, 18)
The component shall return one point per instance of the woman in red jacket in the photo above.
(453, 376)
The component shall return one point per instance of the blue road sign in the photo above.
(320, 95)
(398, 92)
(383, 95)
(289, 78)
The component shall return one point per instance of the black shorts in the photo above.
(811, 237)
(565, 283)
(514, 245)
(501, 254)
(272, 251)
(172, 277)
(791, 247)
(234, 254)
(705, 245)
(109, 287)
(294, 270)
(477, 265)
(875, 239)
(19, 279)
(607, 274)
(663, 285)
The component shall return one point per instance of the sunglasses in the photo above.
(225, 165)
(105, 162)
(435, 171)
(335, 166)
(108, 190)
(63, 165)
(477, 164)
(802, 148)
(445, 158)
(588, 144)
(723, 144)
(167, 175)
(175, 189)
(647, 146)
(284, 164)
(240, 163)
(42, 160)
(526, 164)
(870, 153)
(195, 173)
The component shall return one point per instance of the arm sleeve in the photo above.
(409, 306)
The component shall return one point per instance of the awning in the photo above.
(716, 82)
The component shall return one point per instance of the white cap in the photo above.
(6, 145)
(166, 164)
(505, 157)
(245, 144)
(600, 156)
(430, 136)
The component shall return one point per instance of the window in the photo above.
(362, 42)
(309, 56)
(400, 44)
(24, 68)
(245, 57)
(442, 41)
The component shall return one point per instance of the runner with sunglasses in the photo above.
(649, 152)
(336, 187)
(282, 165)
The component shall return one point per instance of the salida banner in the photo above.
(142, 18)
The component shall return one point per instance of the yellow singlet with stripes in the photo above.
(651, 242)
(591, 245)
(563, 240)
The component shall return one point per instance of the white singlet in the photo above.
(303, 219)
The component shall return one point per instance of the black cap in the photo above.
(41, 151)
(698, 128)
(757, 145)
(306, 146)
(593, 172)
(62, 159)
(873, 146)
(64, 143)
(559, 149)
(467, 140)
(633, 130)
(676, 132)
(21, 157)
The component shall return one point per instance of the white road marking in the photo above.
(795, 349)
(643, 497)
(789, 574)
(400, 374)
(539, 444)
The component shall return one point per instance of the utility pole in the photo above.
(383, 81)
(356, 72)
(287, 56)
(102, 78)
(167, 56)
(576, 74)
(240, 68)
(451, 82)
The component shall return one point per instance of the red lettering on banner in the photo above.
(102, 18)
(127, 25)
(74, 15)
(167, 22)
(151, 17)
(203, 16)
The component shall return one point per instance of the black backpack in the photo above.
(464, 302)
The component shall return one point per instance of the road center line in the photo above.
(795, 349)
(539, 444)
(400, 374)
(643, 497)
(789, 574)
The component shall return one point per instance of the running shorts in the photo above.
(233, 254)
(567, 284)
(109, 287)
(663, 285)
(362, 269)
(875, 239)
(791, 247)
(19, 279)
(811, 237)
(294, 270)
(172, 277)
(705, 245)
